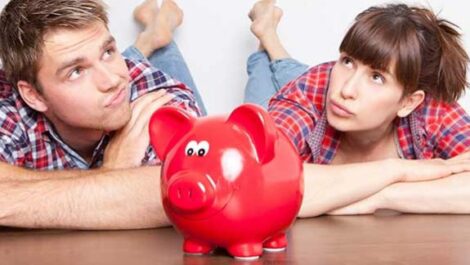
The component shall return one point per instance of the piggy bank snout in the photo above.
(190, 192)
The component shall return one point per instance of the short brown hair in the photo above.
(24, 23)
(426, 51)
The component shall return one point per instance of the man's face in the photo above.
(85, 80)
(361, 98)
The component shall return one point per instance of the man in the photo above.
(74, 148)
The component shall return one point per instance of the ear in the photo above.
(32, 96)
(259, 126)
(167, 126)
(410, 103)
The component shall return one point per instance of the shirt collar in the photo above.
(45, 128)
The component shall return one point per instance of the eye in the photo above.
(378, 78)
(75, 73)
(347, 61)
(108, 53)
(203, 148)
(191, 148)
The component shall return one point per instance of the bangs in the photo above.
(387, 44)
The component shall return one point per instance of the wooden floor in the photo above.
(379, 239)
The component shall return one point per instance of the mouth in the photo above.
(117, 98)
(340, 110)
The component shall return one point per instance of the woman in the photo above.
(389, 99)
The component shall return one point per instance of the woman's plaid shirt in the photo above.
(434, 130)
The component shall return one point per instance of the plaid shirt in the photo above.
(434, 130)
(29, 140)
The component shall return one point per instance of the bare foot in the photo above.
(265, 17)
(145, 12)
(159, 24)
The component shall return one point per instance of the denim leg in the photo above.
(170, 60)
(259, 87)
(265, 78)
(286, 70)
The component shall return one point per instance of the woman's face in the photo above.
(361, 98)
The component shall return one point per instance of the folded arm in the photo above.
(442, 196)
(355, 188)
(327, 187)
(94, 199)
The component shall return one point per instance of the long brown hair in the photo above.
(426, 51)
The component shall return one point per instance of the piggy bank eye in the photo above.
(203, 148)
(191, 148)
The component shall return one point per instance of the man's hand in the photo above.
(127, 146)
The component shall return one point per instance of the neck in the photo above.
(83, 141)
(369, 145)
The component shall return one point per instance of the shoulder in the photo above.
(14, 113)
(309, 90)
(137, 68)
(145, 78)
(438, 114)
(445, 127)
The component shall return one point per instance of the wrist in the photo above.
(394, 168)
(388, 199)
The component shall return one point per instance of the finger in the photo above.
(463, 156)
(143, 102)
(463, 161)
(143, 119)
(459, 168)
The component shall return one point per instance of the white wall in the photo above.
(215, 37)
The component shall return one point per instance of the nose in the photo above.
(349, 89)
(189, 192)
(105, 78)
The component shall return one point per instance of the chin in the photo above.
(342, 125)
(119, 122)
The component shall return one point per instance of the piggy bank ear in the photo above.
(167, 126)
(260, 127)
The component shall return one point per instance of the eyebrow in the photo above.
(79, 60)
(108, 42)
(68, 64)
(385, 71)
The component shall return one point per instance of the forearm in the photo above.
(15, 173)
(448, 195)
(124, 199)
(445, 196)
(328, 187)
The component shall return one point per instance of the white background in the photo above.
(215, 37)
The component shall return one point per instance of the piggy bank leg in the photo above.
(276, 243)
(246, 251)
(195, 247)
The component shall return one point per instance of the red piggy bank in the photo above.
(233, 182)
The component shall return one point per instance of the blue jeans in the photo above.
(265, 78)
(170, 60)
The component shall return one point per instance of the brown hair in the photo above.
(24, 23)
(426, 51)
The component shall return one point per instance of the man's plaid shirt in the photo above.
(434, 130)
(29, 140)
